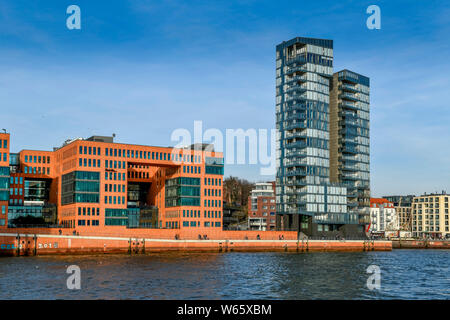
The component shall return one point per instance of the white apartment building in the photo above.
(383, 216)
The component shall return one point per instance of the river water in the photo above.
(405, 274)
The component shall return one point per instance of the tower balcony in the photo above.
(296, 116)
(348, 158)
(348, 114)
(348, 122)
(351, 168)
(296, 144)
(348, 87)
(296, 172)
(348, 96)
(295, 107)
(296, 88)
(349, 176)
(296, 97)
(298, 134)
(296, 163)
(296, 79)
(297, 59)
(296, 154)
(348, 149)
(298, 210)
(352, 194)
(298, 69)
(348, 105)
(347, 139)
(295, 125)
(352, 204)
(296, 182)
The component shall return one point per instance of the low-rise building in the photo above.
(430, 216)
(402, 206)
(261, 207)
(383, 217)
(404, 217)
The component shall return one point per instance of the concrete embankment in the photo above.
(17, 244)
(420, 244)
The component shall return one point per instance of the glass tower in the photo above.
(306, 200)
(349, 139)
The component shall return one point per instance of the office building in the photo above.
(95, 183)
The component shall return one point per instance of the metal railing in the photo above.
(36, 226)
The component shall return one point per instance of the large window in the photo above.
(80, 186)
(214, 165)
(183, 191)
(36, 190)
(4, 183)
(214, 170)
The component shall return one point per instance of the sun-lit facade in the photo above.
(96, 182)
(430, 215)
(306, 200)
(310, 198)
(350, 140)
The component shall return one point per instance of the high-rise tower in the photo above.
(350, 140)
(305, 196)
(307, 199)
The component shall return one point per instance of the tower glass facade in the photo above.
(306, 200)
(350, 143)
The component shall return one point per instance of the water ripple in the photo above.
(405, 274)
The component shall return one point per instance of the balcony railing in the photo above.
(348, 149)
(348, 87)
(295, 125)
(296, 153)
(296, 144)
(348, 96)
(296, 88)
(295, 107)
(349, 168)
(296, 97)
(296, 182)
(296, 116)
(349, 105)
(297, 59)
(296, 79)
(301, 134)
(349, 115)
(296, 69)
(297, 172)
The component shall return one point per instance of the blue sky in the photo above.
(142, 69)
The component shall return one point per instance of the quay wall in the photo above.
(421, 244)
(29, 244)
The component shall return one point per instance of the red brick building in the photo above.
(261, 207)
(96, 183)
